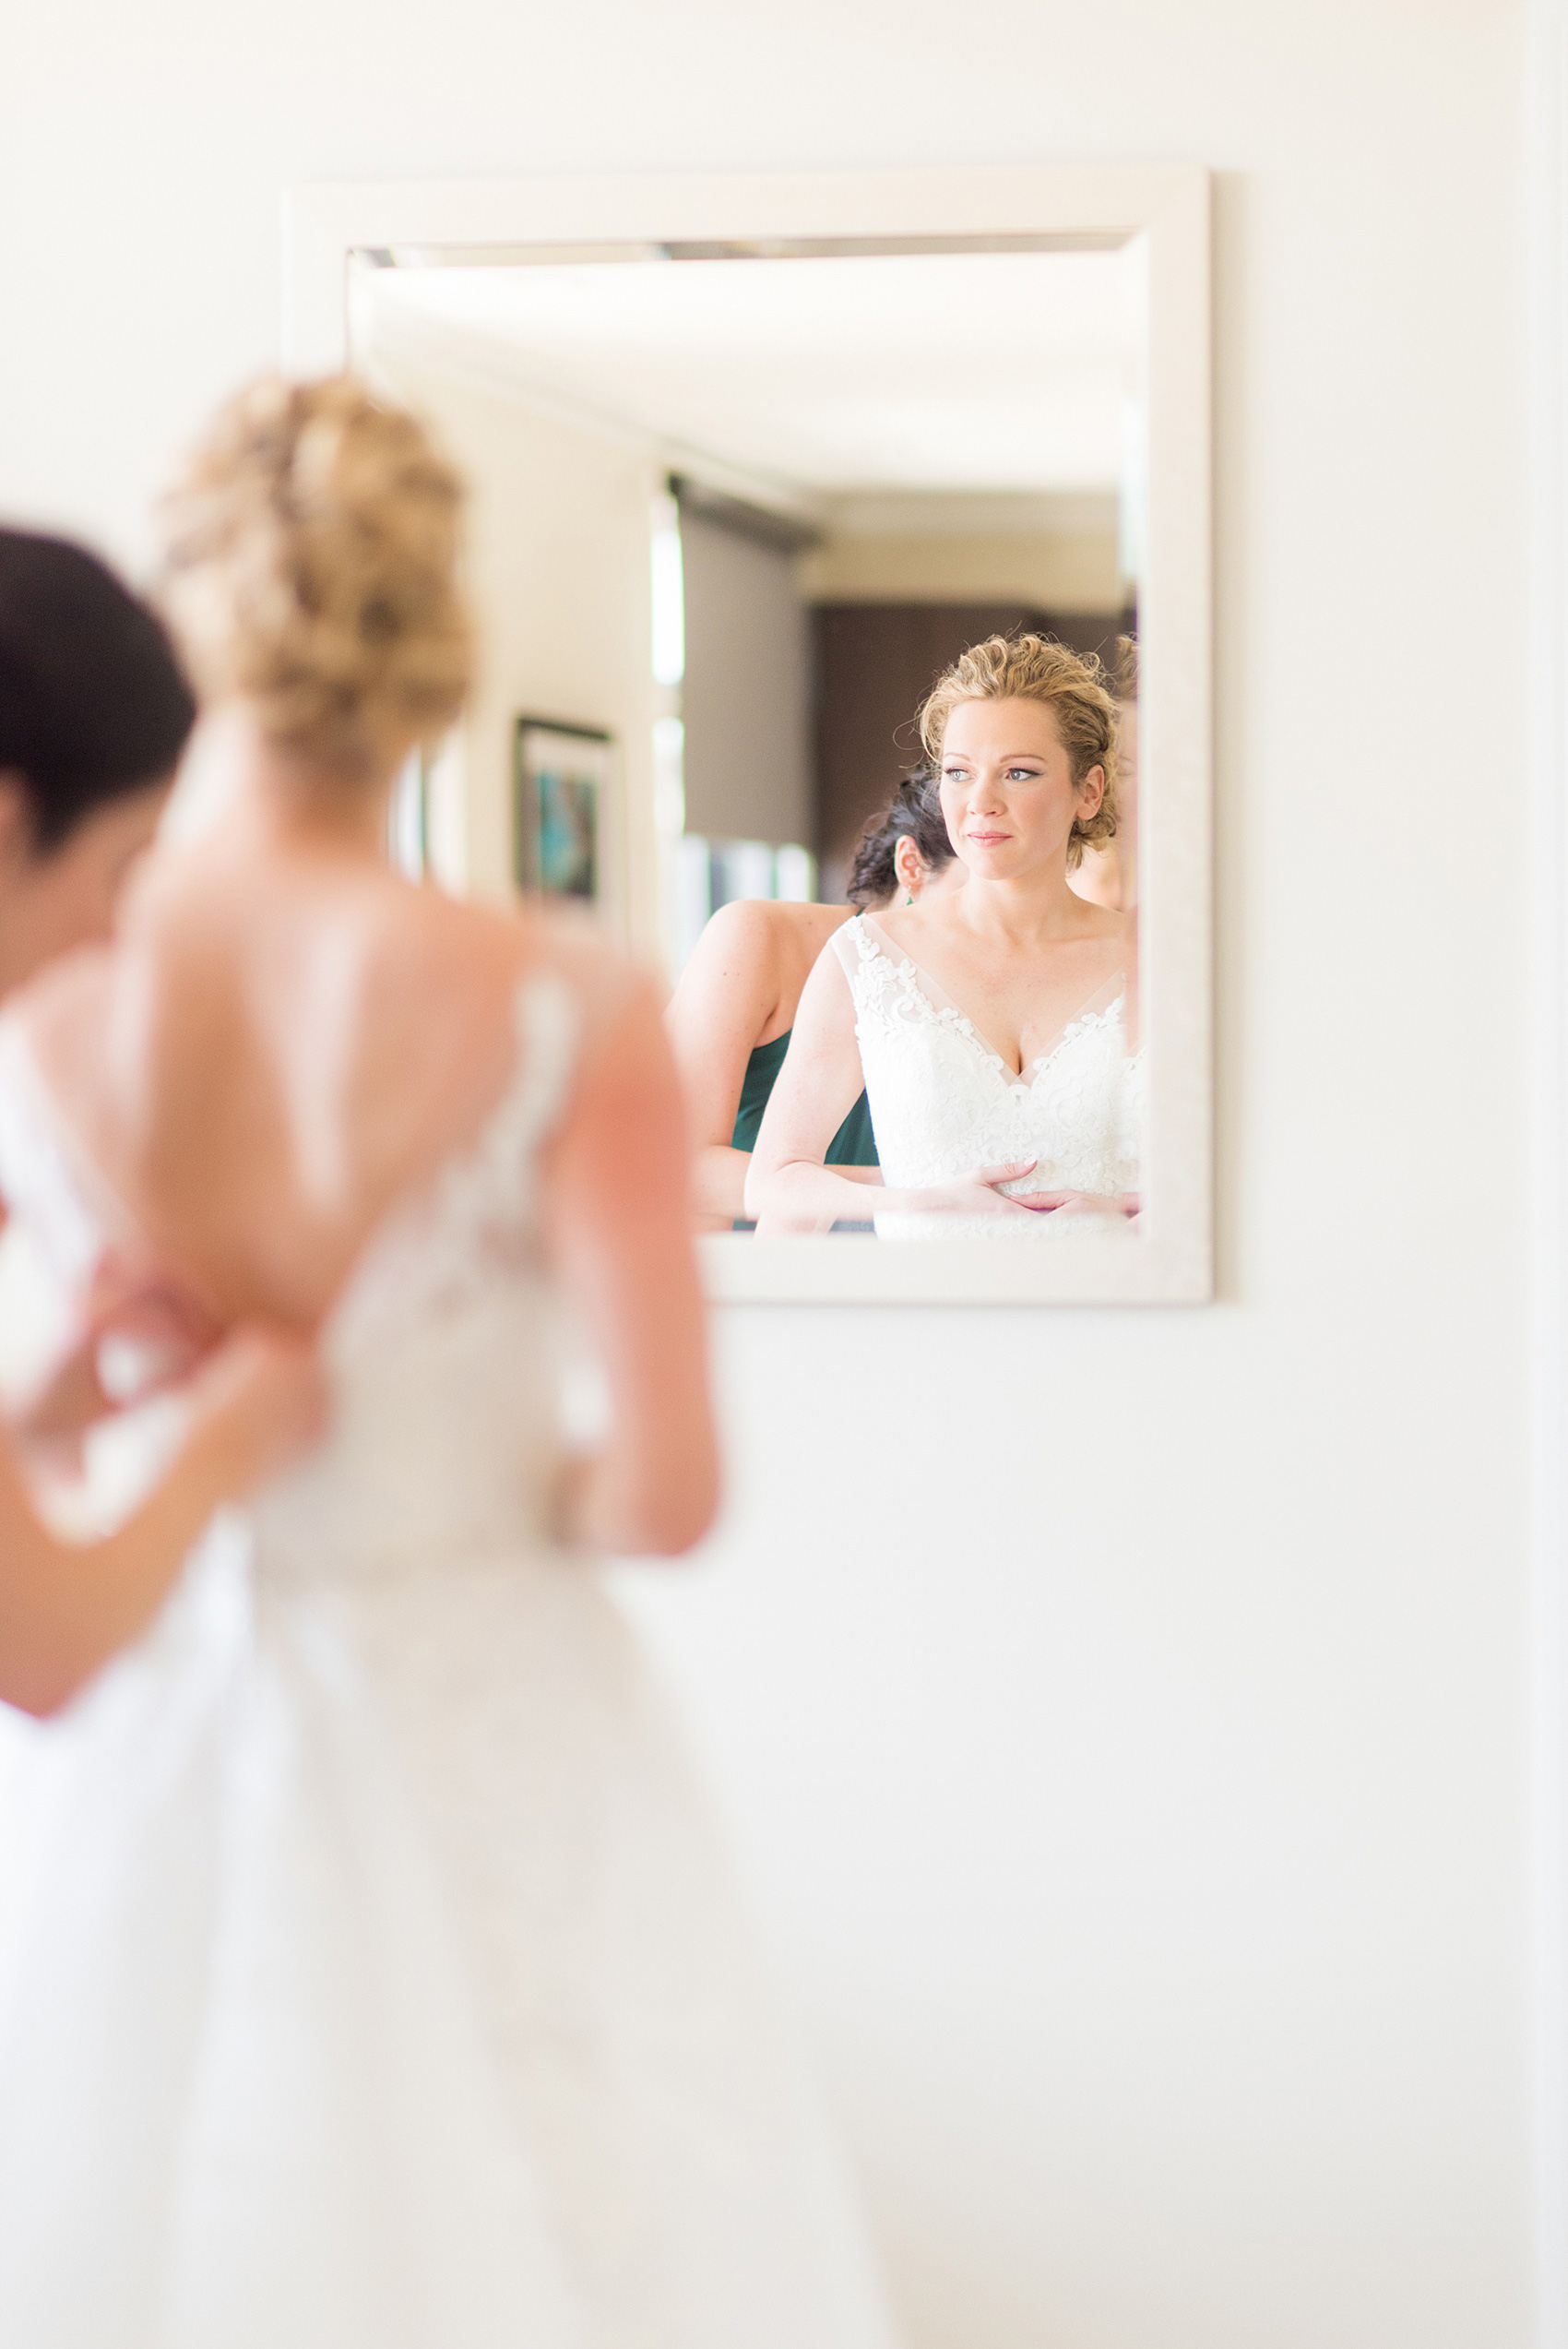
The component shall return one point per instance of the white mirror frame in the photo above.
(1166, 206)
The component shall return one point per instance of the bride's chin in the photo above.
(998, 864)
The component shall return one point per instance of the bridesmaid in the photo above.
(93, 717)
(734, 1009)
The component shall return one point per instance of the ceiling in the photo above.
(956, 372)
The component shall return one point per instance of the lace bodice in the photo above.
(944, 1104)
(446, 1351)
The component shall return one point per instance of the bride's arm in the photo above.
(789, 1188)
(66, 1607)
(618, 1208)
(725, 997)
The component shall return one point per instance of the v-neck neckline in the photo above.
(1104, 998)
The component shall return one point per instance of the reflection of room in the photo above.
(808, 647)
(758, 467)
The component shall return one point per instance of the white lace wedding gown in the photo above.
(368, 1976)
(942, 1104)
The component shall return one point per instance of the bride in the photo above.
(367, 1977)
(989, 1025)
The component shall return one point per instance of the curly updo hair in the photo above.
(914, 814)
(1074, 686)
(311, 550)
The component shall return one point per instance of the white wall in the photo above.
(1125, 1712)
(558, 561)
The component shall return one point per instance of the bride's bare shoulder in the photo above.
(611, 988)
(493, 946)
(450, 968)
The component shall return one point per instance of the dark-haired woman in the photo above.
(94, 714)
(93, 717)
(733, 1010)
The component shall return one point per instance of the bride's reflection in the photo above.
(733, 1012)
(989, 1026)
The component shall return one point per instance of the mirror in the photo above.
(740, 504)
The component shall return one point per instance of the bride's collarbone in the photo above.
(1019, 1007)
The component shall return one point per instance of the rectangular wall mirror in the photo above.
(753, 464)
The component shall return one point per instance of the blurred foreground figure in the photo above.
(93, 717)
(372, 1982)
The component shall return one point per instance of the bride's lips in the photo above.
(988, 839)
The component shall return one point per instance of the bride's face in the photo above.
(1007, 788)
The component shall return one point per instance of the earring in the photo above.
(908, 896)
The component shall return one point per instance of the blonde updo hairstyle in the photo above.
(311, 549)
(1072, 685)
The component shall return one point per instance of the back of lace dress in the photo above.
(446, 1352)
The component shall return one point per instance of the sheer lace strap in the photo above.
(493, 1181)
(547, 1036)
(851, 944)
(478, 1216)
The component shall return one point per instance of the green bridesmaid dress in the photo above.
(853, 1145)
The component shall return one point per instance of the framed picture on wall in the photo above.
(561, 775)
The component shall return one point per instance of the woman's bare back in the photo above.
(281, 1043)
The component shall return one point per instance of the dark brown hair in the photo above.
(915, 814)
(92, 703)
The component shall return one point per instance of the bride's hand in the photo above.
(259, 1398)
(146, 1332)
(1123, 1204)
(979, 1194)
(138, 1335)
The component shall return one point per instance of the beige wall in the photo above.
(1070, 570)
(1124, 1715)
(559, 565)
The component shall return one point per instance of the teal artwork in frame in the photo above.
(560, 776)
